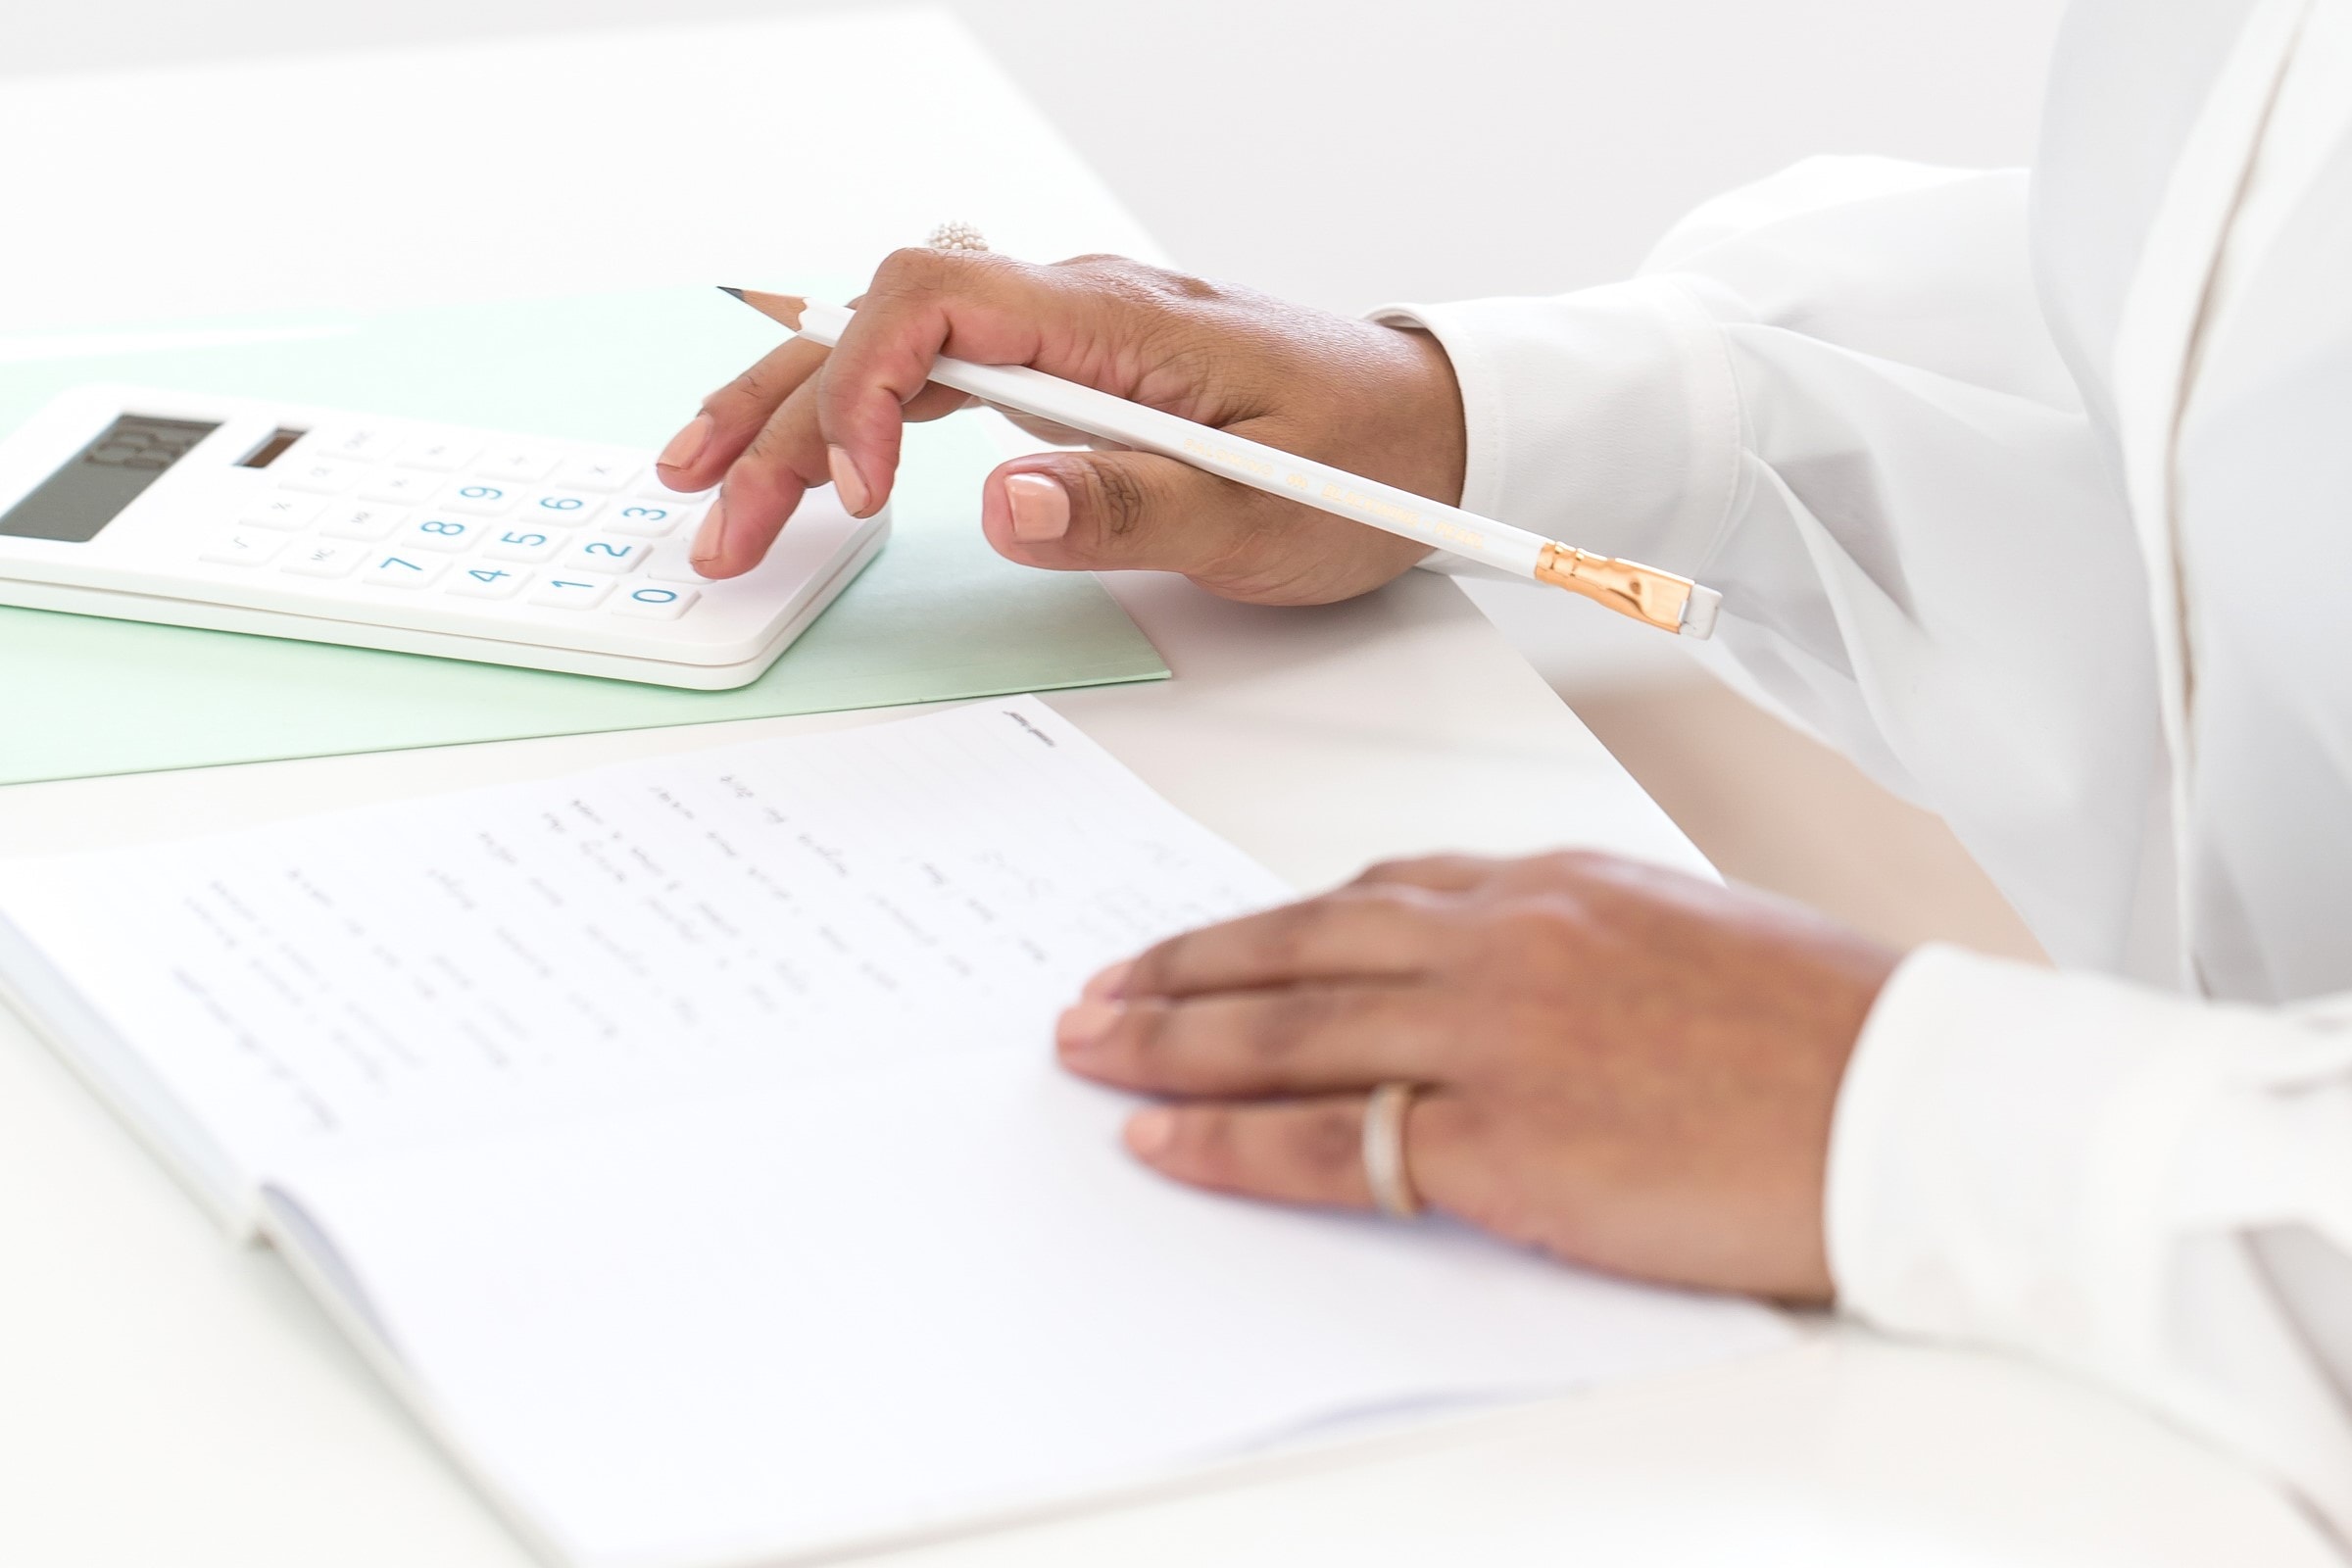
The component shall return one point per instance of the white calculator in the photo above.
(339, 527)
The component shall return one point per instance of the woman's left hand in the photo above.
(1630, 1068)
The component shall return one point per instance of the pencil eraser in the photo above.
(1699, 615)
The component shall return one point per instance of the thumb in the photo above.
(1134, 512)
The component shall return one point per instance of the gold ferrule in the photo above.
(1626, 586)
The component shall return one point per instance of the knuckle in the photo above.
(912, 269)
(1525, 933)
(1275, 1028)
(1326, 1141)
(1156, 967)
(758, 384)
(1578, 864)
(1117, 498)
(1204, 1142)
(1143, 1029)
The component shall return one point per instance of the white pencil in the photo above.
(1660, 598)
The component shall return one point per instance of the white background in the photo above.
(1340, 152)
(1344, 153)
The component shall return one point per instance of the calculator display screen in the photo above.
(97, 482)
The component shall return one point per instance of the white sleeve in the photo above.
(1833, 397)
(2154, 1191)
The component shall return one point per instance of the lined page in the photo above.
(753, 915)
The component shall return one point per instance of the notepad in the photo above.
(682, 1140)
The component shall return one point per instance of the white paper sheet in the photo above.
(729, 1333)
(689, 1135)
(772, 913)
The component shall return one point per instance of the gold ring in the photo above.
(1385, 1169)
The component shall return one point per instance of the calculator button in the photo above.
(440, 453)
(322, 558)
(320, 476)
(615, 555)
(485, 582)
(478, 499)
(658, 494)
(245, 547)
(289, 512)
(571, 592)
(407, 569)
(566, 508)
(668, 563)
(363, 522)
(511, 543)
(648, 520)
(356, 444)
(655, 602)
(406, 486)
(527, 464)
(449, 536)
(602, 472)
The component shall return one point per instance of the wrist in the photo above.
(1437, 456)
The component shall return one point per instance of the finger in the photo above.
(1119, 511)
(1116, 511)
(1373, 934)
(698, 454)
(1301, 1150)
(783, 460)
(922, 304)
(762, 489)
(1284, 1039)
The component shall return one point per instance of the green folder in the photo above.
(938, 616)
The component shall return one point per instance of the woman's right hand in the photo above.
(1379, 401)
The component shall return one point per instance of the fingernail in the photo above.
(1083, 1026)
(1151, 1132)
(849, 482)
(1108, 985)
(1041, 507)
(710, 540)
(687, 445)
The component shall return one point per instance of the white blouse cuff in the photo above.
(1606, 418)
(2002, 1142)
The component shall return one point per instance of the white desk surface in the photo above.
(165, 1397)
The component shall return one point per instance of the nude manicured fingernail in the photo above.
(1085, 1026)
(849, 482)
(710, 540)
(687, 445)
(1107, 985)
(1041, 507)
(1151, 1132)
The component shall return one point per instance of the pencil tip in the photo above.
(723, 289)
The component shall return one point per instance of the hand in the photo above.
(1376, 400)
(1627, 1067)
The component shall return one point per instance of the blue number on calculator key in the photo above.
(485, 582)
(405, 572)
(572, 593)
(481, 500)
(521, 543)
(650, 522)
